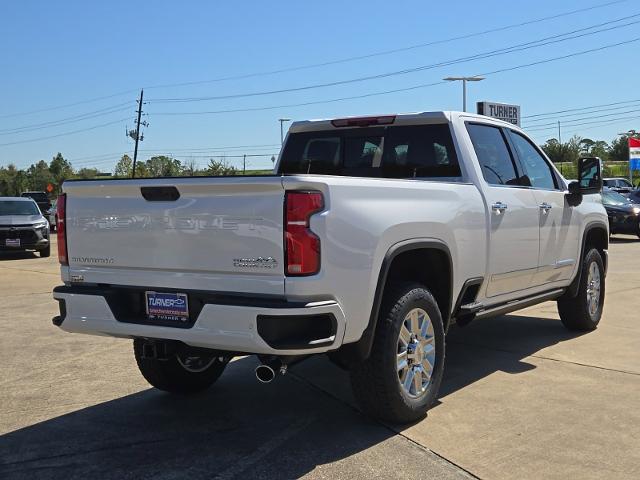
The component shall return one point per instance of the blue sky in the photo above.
(58, 53)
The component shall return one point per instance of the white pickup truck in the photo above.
(373, 235)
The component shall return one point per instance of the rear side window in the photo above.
(392, 152)
(493, 154)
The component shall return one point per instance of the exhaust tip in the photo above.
(265, 374)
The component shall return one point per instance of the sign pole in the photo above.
(634, 156)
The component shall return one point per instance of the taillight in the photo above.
(302, 246)
(61, 227)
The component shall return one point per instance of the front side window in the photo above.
(534, 164)
(493, 154)
(391, 152)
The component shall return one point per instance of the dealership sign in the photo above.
(501, 111)
(634, 154)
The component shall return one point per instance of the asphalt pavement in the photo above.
(521, 398)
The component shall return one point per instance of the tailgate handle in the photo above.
(160, 194)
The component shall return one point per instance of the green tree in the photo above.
(190, 168)
(619, 149)
(12, 181)
(163, 166)
(594, 148)
(60, 170)
(87, 173)
(563, 152)
(553, 149)
(124, 167)
(39, 176)
(220, 167)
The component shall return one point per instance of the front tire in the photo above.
(583, 312)
(400, 380)
(179, 373)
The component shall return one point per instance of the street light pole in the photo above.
(282, 120)
(464, 81)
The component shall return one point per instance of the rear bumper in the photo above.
(234, 324)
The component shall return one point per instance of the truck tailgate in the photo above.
(221, 234)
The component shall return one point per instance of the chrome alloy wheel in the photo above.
(416, 353)
(195, 364)
(593, 288)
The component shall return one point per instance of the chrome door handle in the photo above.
(545, 207)
(499, 207)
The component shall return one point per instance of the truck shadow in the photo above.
(238, 429)
(497, 344)
(473, 353)
(245, 430)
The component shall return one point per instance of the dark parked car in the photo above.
(634, 196)
(620, 185)
(624, 215)
(41, 198)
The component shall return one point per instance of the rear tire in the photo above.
(177, 374)
(400, 380)
(46, 252)
(583, 312)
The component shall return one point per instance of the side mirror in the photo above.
(589, 175)
(589, 180)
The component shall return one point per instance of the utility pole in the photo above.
(561, 149)
(244, 164)
(137, 135)
(559, 133)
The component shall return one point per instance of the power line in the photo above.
(398, 90)
(328, 63)
(65, 133)
(493, 53)
(596, 122)
(607, 123)
(570, 122)
(389, 52)
(580, 108)
(68, 105)
(569, 115)
(65, 121)
(563, 57)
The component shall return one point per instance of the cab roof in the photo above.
(415, 118)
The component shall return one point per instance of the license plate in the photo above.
(172, 307)
(12, 242)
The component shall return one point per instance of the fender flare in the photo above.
(572, 291)
(361, 349)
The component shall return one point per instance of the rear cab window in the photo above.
(410, 151)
